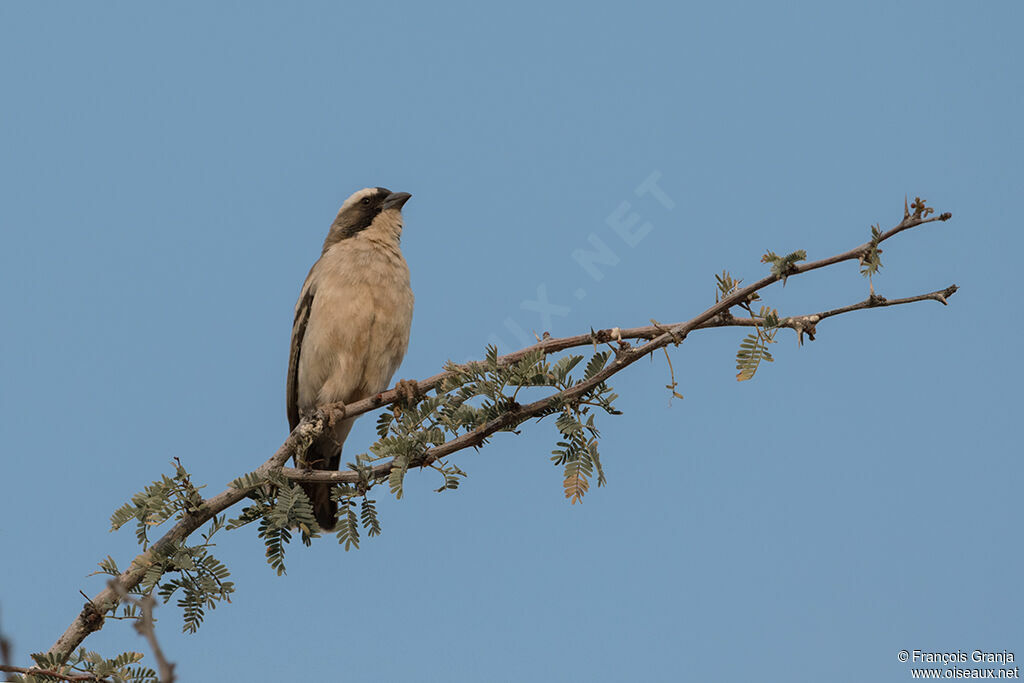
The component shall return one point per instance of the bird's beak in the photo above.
(395, 200)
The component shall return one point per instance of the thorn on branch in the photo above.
(803, 325)
(676, 338)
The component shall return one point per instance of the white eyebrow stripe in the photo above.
(357, 196)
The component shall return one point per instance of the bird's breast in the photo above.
(358, 328)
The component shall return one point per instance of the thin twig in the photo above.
(880, 302)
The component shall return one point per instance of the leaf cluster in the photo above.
(478, 394)
(577, 453)
(783, 266)
(347, 527)
(725, 285)
(280, 506)
(754, 347)
(119, 668)
(200, 577)
(474, 396)
(871, 260)
(168, 497)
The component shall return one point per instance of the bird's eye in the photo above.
(366, 201)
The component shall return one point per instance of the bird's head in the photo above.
(375, 211)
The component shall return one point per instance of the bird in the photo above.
(351, 326)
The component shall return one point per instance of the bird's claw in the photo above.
(408, 393)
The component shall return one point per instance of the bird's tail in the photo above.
(324, 509)
(325, 455)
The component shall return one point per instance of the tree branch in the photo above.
(91, 618)
(804, 324)
(549, 346)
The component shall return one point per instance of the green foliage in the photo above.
(293, 510)
(169, 497)
(248, 481)
(725, 285)
(753, 349)
(368, 514)
(396, 477)
(476, 395)
(871, 260)
(348, 525)
(564, 366)
(86, 662)
(451, 473)
(275, 539)
(280, 506)
(577, 453)
(783, 266)
(481, 394)
(198, 577)
(596, 364)
(384, 423)
(202, 582)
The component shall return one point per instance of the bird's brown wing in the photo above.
(324, 453)
(302, 310)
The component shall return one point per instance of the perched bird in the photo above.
(351, 325)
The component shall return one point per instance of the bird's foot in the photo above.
(408, 393)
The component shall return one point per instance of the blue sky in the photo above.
(167, 175)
